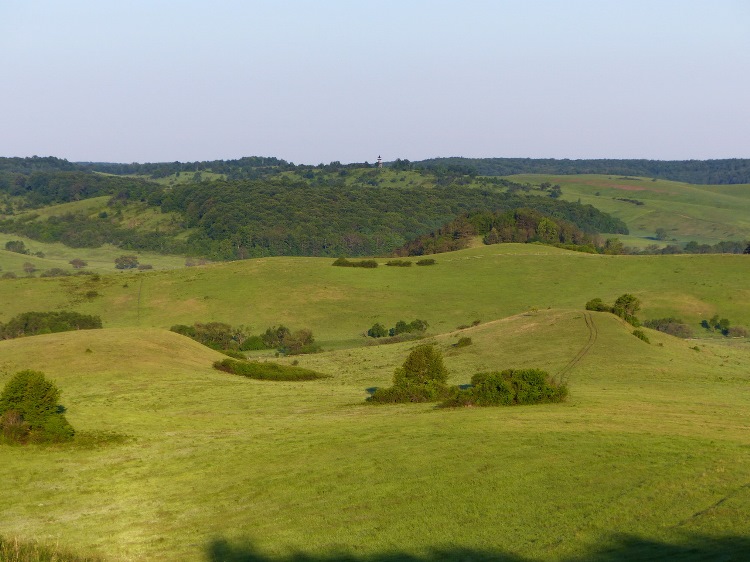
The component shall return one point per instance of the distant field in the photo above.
(340, 304)
(706, 214)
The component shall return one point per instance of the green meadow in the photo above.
(705, 213)
(649, 458)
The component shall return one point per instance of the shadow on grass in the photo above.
(619, 549)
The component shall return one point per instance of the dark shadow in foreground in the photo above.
(618, 549)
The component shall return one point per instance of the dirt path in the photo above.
(593, 334)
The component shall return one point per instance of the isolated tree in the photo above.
(661, 234)
(29, 268)
(78, 263)
(422, 378)
(747, 250)
(29, 410)
(126, 262)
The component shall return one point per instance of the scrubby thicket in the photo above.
(267, 371)
(223, 337)
(423, 378)
(550, 224)
(625, 307)
(417, 327)
(509, 387)
(30, 413)
(35, 323)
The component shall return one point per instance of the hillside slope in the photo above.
(340, 304)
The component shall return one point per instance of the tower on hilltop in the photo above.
(380, 161)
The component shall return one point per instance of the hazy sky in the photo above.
(322, 80)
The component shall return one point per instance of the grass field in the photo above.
(340, 304)
(648, 459)
(704, 213)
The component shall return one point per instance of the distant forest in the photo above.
(271, 208)
(725, 171)
(700, 172)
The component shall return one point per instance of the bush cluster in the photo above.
(723, 327)
(415, 326)
(625, 307)
(267, 371)
(29, 412)
(463, 342)
(426, 261)
(672, 326)
(641, 335)
(509, 387)
(398, 263)
(423, 378)
(223, 337)
(34, 323)
(343, 262)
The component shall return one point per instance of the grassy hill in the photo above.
(340, 304)
(704, 213)
(648, 458)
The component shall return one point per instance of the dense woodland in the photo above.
(269, 207)
(326, 211)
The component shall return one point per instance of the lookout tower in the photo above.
(380, 162)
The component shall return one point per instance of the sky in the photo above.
(316, 81)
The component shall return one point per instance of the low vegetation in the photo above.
(670, 325)
(625, 307)
(267, 371)
(422, 378)
(416, 327)
(343, 262)
(223, 337)
(509, 387)
(35, 323)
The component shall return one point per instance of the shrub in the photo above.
(10, 275)
(598, 306)
(377, 331)
(16, 246)
(398, 263)
(672, 326)
(641, 335)
(463, 342)
(422, 378)
(78, 263)
(343, 262)
(54, 272)
(29, 411)
(34, 323)
(737, 332)
(126, 262)
(509, 387)
(145, 266)
(426, 261)
(267, 371)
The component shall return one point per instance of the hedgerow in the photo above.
(267, 371)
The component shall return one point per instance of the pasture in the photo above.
(649, 457)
